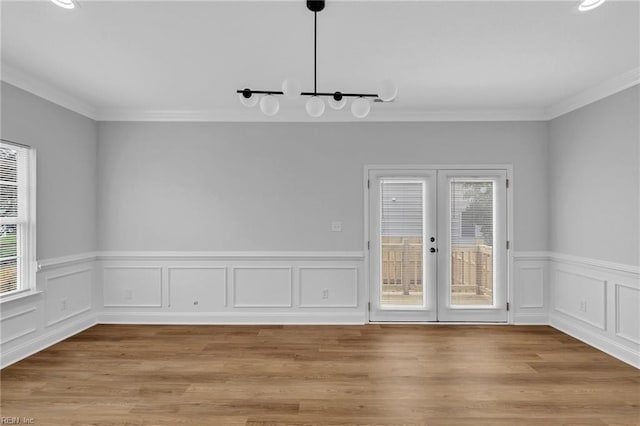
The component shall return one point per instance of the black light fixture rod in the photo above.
(315, 52)
(353, 95)
(263, 92)
(279, 92)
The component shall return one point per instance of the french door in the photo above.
(437, 245)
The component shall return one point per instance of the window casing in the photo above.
(17, 219)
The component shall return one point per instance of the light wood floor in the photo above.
(329, 375)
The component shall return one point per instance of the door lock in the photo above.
(433, 239)
(433, 249)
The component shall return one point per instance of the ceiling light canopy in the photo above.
(315, 105)
(67, 4)
(589, 5)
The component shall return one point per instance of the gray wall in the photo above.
(66, 170)
(274, 186)
(594, 177)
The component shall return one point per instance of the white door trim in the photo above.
(461, 167)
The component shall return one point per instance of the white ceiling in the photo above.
(184, 60)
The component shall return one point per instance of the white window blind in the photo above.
(472, 211)
(14, 218)
(402, 208)
(472, 225)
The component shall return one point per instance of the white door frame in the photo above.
(451, 167)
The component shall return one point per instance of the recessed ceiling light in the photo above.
(589, 4)
(67, 4)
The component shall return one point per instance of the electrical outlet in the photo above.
(63, 304)
(195, 303)
(336, 226)
(325, 293)
(583, 306)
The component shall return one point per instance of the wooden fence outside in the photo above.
(471, 266)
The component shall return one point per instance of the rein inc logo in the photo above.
(17, 420)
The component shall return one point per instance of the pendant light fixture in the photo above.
(315, 105)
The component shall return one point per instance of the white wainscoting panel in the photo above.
(531, 287)
(233, 287)
(18, 324)
(132, 286)
(197, 288)
(598, 303)
(581, 296)
(328, 287)
(68, 295)
(627, 312)
(62, 305)
(262, 287)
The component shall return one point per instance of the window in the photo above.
(17, 224)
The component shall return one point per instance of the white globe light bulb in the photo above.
(338, 105)
(589, 4)
(387, 90)
(315, 106)
(248, 102)
(269, 105)
(360, 108)
(291, 89)
(67, 4)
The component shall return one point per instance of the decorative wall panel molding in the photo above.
(67, 295)
(197, 288)
(530, 288)
(531, 280)
(627, 312)
(262, 287)
(17, 325)
(581, 296)
(328, 287)
(61, 307)
(132, 286)
(610, 320)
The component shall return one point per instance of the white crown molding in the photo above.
(595, 93)
(299, 116)
(46, 91)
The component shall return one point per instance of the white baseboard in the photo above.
(234, 318)
(530, 319)
(598, 341)
(45, 340)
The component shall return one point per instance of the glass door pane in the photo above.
(402, 240)
(472, 238)
(472, 268)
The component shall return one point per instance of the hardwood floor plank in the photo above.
(322, 375)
